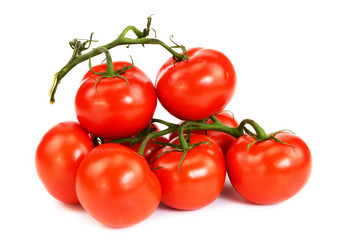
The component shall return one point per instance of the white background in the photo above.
(286, 56)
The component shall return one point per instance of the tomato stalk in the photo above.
(110, 73)
(216, 125)
(78, 46)
(171, 127)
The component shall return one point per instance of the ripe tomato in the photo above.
(114, 109)
(200, 179)
(58, 157)
(268, 172)
(222, 139)
(151, 147)
(197, 88)
(116, 186)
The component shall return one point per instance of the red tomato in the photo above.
(200, 179)
(58, 157)
(151, 147)
(197, 88)
(116, 186)
(115, 109)
(222, 139)
(269, 172)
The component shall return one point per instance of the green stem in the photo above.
(136, 31)
(152, 136)
(168, 124)
(109, 63)
(78, 58)
(182, 139)
(261, 134)
(235, 132)
(128, 140)
(216, 126)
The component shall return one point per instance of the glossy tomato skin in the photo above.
(58, 157)
(197, 88)
(224, 140)
(200, 179)
(269, 172)
(151, 147)
(116, 186)
(115, 109)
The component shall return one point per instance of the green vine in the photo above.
(216, 125)
(78, 47)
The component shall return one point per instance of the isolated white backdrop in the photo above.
(286, 56)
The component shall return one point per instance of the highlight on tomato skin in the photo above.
(116, 187)
(201, 176)
(58, 157)
(197, 88)
(269, 172)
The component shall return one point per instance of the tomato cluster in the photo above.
(119, 187)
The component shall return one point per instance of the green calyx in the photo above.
(267, 137)
(179, 148)
(110, 72)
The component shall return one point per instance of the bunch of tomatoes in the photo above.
(119, 185)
